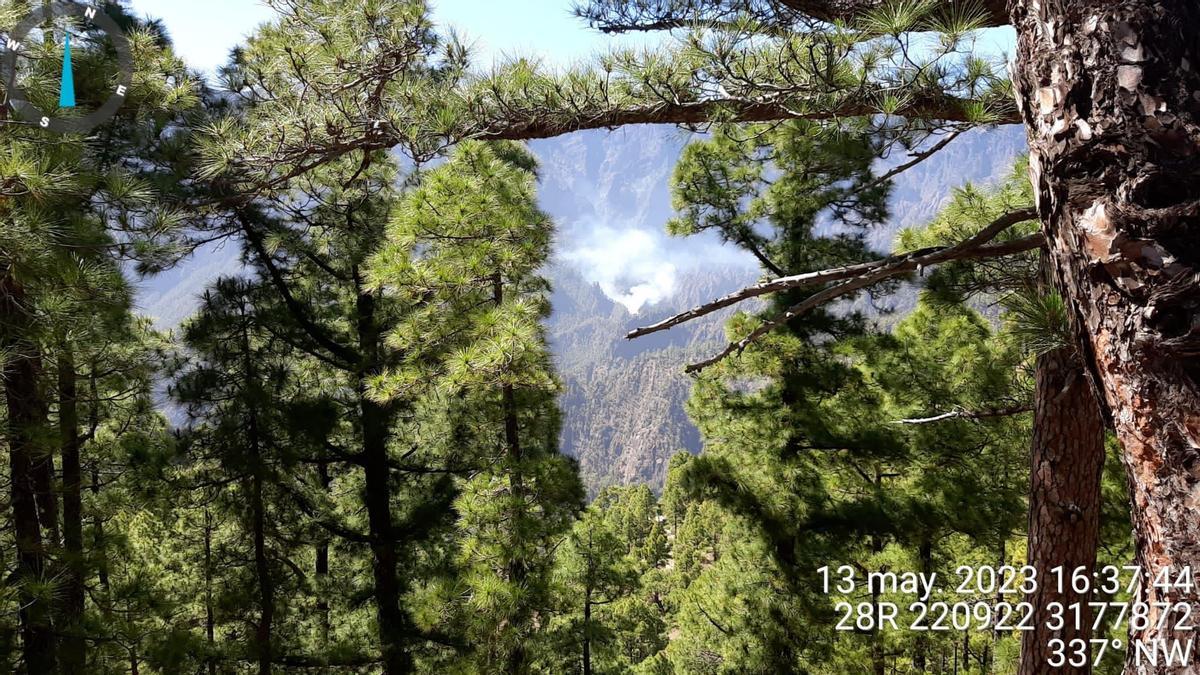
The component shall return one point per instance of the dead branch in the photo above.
(877, 272)
(968, 415)
(865, 274)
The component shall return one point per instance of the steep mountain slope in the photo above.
(624, 401)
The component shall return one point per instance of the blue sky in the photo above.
(205, 31)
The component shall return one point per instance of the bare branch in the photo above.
(847, 287)
(866, 274)
(968, 415)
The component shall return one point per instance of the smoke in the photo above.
(639, 268)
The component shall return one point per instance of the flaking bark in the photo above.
(1108, 95)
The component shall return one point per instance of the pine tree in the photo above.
(238, 440)
(61, 201)
(463, 251)
(754, 63)
(767, 191)
(830, 480)
(606, 622)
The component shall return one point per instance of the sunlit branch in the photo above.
(968, 415)
(853, 285)
(866, 274)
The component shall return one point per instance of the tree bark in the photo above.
(587, 632)
(393, 621)
(587, 608)
(99, 545)
(26, 414)
(266, 585)
(1106, 91)
(518, 571)
(921, 652)
(74, 646)
(878, 664)
(45, 493)
(210, 623)
(1066, 463)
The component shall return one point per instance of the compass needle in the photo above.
(66, 92)
(80, 120)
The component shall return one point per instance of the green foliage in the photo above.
(369, 470)
(607, 599)
(969, 209)
(1039, 322)
(766, 189)
(462, 253)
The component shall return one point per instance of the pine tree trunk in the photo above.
(1107, 92)
(74, 646)
(99, 545)
(134, 659)
(392, 619)
(43, 480)
(266, 586)
(517, 566)
(587, 632)
(1066, 462)
(262, 566)
(878, 667)
(210, 623)
(385, 560)
(921, 652)
(322, 566)
(26, 414)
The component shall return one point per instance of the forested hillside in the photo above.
(358, 358)
(623, 402)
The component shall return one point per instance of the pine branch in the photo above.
(298, 311)
(994, 12)
(866, 274)
(810, 70)
(696, 113)
(549, 122)
(622, 16)
(916, 158)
